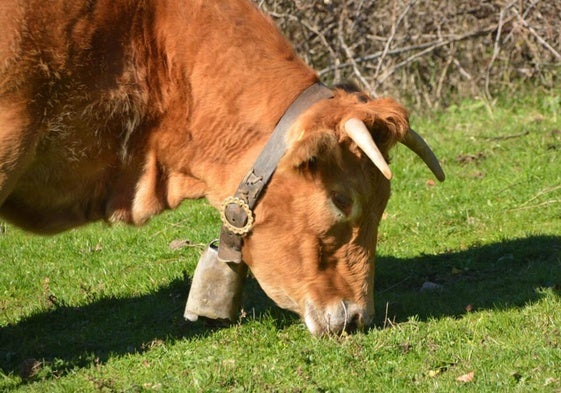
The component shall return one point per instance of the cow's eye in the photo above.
(310, 166)
(342, 202)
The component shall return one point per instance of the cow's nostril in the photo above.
(354, 323)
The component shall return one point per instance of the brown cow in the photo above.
(119, 109)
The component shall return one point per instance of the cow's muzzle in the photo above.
(337, 318)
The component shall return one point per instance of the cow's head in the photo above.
(313, 244)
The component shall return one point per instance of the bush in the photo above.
(427, 53)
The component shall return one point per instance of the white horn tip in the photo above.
(388, 173)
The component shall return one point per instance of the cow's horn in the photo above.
(414, 142)
(358, 132)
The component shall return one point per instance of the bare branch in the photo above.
(496, 47)
(535, 34)
(356, 69)
(433, 47)
(349, 55)
(426, 52)
(391, 37)
(428, 46)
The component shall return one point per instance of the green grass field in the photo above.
(99, 309)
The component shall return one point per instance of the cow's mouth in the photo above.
(336, 318)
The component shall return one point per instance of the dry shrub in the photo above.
(426, 52)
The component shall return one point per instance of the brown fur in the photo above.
(119, 109)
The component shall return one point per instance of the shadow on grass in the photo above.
(79, 336)
(502, 275)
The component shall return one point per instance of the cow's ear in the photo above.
(388, 122)
(307, 149)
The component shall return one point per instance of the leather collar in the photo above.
(237, 211)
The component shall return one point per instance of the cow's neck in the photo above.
(225, 86)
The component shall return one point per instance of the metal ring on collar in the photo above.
(231, 227)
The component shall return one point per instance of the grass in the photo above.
(100, 309)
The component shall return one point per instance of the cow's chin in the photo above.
(281, 299)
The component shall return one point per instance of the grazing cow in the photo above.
(116, 110)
